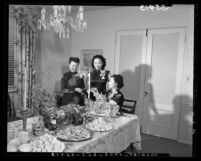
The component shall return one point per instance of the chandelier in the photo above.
(62, 20)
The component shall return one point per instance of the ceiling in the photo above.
(75, 8)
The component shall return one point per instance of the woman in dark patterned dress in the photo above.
(114, 95)
(72, 84)
(99, 76)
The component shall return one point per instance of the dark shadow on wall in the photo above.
(184, 128)
(129, 77)
(132, 81)
(135, 76)
(149, 90)
(185, 117)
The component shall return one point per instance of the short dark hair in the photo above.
(119, 80)
(74, 59)
(101, 58)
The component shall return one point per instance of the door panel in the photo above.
(130, 54)
(164, 61)
(163, 82)
(130, 44)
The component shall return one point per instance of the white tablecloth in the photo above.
(126, 130)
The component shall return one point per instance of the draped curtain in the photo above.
(24, 57)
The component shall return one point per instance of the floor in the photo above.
(152, 144)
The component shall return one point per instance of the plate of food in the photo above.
(99, 125)
(47, 143)
(74, 134)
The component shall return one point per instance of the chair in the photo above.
(129, 106)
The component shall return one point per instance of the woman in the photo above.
(99, 76)
(114, 95)
(72, 84)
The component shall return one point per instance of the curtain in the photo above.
(24, 65)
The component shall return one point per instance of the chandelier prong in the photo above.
(61, 20)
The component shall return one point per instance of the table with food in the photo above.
(96, 127)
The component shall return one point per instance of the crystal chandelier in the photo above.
(61, 20)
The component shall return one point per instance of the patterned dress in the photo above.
(99, 80)
(70, 82)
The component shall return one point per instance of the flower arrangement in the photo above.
(42, 100)
(102, 74)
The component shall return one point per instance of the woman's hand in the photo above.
(65, 90)
(112, 102)
(79, 90)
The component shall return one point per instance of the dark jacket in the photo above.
(118, 98)
(70, 82)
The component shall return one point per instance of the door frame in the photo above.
(179, 72)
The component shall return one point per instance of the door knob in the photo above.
(146, 93)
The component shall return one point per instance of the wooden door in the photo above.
(163, 77)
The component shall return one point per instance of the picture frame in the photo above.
(86, 57)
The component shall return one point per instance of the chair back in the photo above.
(129, 106)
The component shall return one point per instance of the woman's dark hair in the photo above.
(101, 58)
(119, 80)
(74, 59)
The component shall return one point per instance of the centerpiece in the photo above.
(44, 104)
(55, 117)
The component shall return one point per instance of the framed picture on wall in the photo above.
(86, 57)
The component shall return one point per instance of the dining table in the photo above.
(125, 131)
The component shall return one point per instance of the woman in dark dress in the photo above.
(114, 96)
(72, 84)
(99, 76)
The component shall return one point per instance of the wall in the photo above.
(103, 25)
(54, 56)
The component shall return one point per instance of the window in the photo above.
(12, 27)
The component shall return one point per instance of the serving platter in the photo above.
(74, 134)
